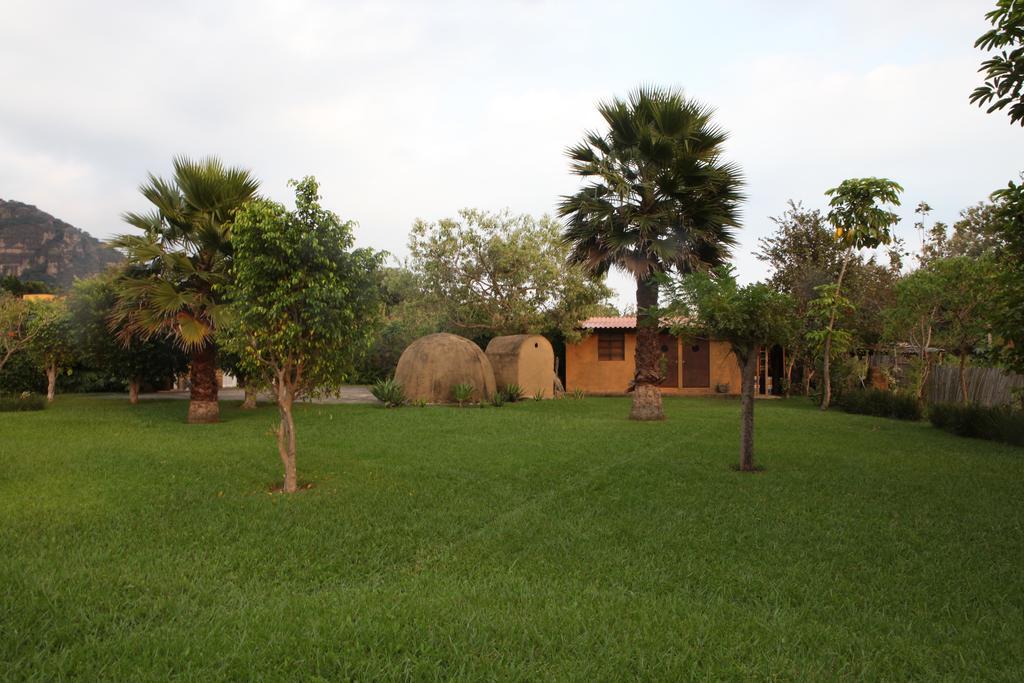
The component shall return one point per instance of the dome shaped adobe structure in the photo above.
(526, 360)
(431, 366)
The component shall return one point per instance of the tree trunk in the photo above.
(250, 397)
(808, 376)
(790, 363)
(133, 391)
(963, 377)
(647, 376)
(286, 433)
(51, 382)
(748, 372)
(203, 407)
(826, 392)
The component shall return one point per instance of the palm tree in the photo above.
(660, 199)
(176, 270)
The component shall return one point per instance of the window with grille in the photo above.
(611, 345)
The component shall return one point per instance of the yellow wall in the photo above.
(584, 371)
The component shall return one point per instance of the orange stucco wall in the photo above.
(584, 371)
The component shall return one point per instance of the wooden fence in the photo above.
(985, 386)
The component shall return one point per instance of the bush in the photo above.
(1000, 423)
(498, 399)
(389, 392)
(513, 393)
(26, 401)
(880, 403)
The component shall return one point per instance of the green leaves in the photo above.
(857, 212)
(659, 197)
(177, 269)
(1004, 72)
(304, 304)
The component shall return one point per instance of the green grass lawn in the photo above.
(551, 540)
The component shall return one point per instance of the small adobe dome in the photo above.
(524, 359)
(431, 366)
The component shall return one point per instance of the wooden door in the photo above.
(668, 357)
(696, 363)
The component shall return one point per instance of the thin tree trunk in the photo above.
(250, 397)
(790, 363)
(748, 372)
(647, 376)
(203, 406)
(808, 376)
(963, 377)
(286, 432)
(133, 391)
(51, 382)
(826, 393)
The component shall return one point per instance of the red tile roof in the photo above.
(609, 323)
(622, 322)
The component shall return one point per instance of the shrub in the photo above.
(498, 399)
(578, 394)
(462, 393)
(23, 402)
(1000, 423)
(880, 403)
(389, 392)
(513, 393)
(539, 396)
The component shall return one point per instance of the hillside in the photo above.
(36, 246)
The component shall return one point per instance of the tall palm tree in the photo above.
(174, 277)
(659, 200)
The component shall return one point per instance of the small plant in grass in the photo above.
(498, 399)
(999, 423)
(513, 393)
(24, 402)
(539, 396)
(389, 392)
(579, 394)
(462, 393)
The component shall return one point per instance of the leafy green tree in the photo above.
(304, 303)
(489, 274)
(177, 271)
(659, 199)
(15, 331)
(803, 254)
(967, 285)
(19, 287)
(748, 317)
(1008, 298)
(408, 314)
(860, 222)
(914, 318)
(142, 362)
(52, 347)
(1004, 71)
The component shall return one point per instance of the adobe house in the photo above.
(602, 363)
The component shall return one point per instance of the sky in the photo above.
(407, 110)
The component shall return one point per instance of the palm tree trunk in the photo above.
(647, 376)
(133, 391)
(203, 406)
(748, 372)
(826, 393)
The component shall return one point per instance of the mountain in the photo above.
(36, 246)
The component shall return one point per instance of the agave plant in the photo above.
(174, 277)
